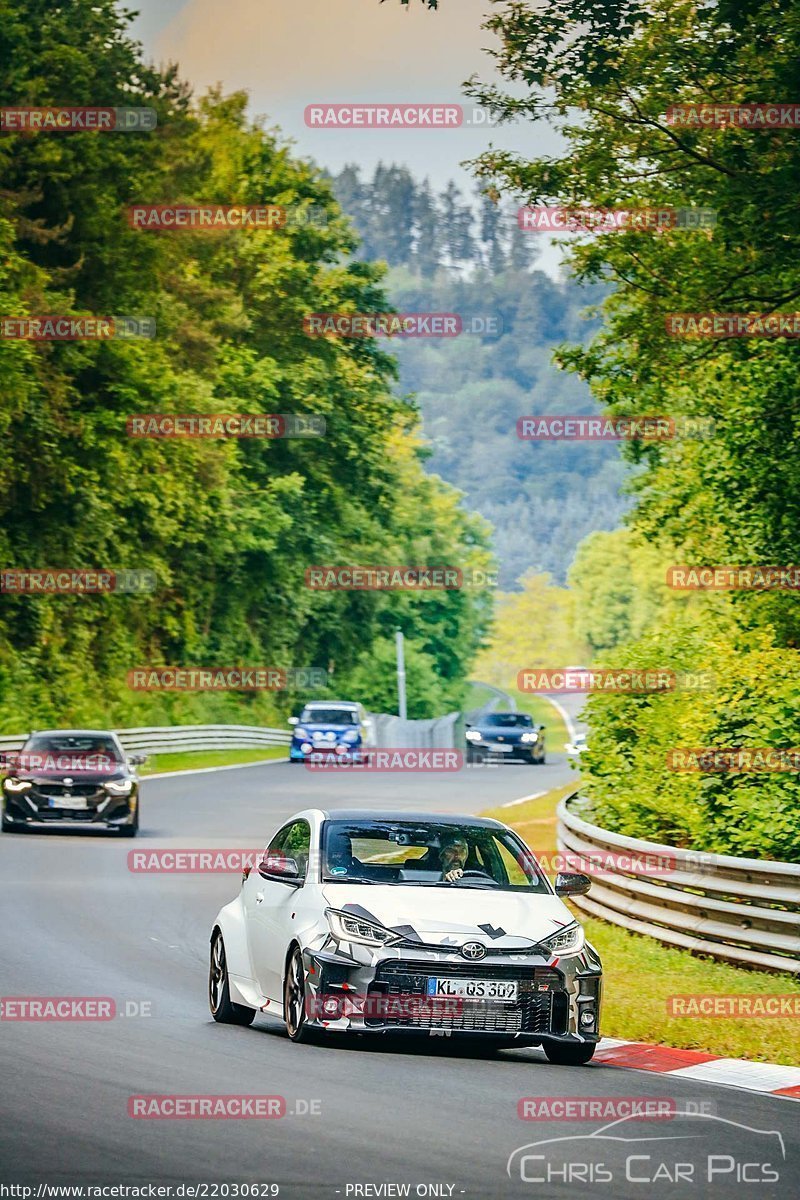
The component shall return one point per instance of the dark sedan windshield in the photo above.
(73, 753)
(405, 852)
(78, 745)
(328, 716)
(508, 720)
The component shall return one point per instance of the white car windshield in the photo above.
(328, 716)
(422, 853)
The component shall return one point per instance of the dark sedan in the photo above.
(506, 735)
(78, 778)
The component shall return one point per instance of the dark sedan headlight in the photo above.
(347, 928)
(118, 787)
(569, 940)
(472, 735)
(529, 737)
(17, 785)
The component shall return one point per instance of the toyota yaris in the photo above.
(364, 921)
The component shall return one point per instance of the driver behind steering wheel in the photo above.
(453, 855)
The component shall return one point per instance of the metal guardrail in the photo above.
(740, 910)
(438, 732)
(178, 738)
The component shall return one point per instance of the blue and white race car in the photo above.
(336, 728)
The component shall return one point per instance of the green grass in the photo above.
(641, 974)
(194, 759)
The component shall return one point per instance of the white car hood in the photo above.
(496, 918)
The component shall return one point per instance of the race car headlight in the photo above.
(472, 735)
(351, 736)
(301, 734)
(119, 787)
(17, 785)
(529, 737)
(569, 940)
(347, 928)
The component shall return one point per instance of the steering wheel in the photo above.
(478, 875)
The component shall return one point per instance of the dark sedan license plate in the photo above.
(67, 802)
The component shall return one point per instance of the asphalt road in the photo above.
(78, 922)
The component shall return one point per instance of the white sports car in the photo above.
(365, 921)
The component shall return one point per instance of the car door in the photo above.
(269, 904)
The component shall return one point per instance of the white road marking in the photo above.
(265, 762)
(522, 800)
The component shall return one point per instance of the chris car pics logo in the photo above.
(685, 1156)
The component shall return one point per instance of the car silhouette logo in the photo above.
(473, 951)
(68, 783)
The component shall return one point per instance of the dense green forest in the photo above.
(730, 499)
(450, 254)
(227, 526)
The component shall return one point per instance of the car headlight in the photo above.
(300, 733)
(17, 785)
(351, 736)
(529, 737)
(569, 940)
(472, 735)
(119, 787)
(347, 928)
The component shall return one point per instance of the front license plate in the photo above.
(502, 749)
(67, 801)
(474, 989)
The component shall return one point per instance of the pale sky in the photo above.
(290, 53)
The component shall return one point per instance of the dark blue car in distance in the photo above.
(505, 735)
(336, 728)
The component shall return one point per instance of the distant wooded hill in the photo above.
(451, 254)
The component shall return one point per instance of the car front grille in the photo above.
(541, 1007)
(42, 790)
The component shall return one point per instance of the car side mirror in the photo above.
(572, 883)
(280, 869)
(136, 760)
(294, 721)
(542, 728)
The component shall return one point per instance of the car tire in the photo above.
(219, 992)
(128, 831)
(569, 1054)
(8, 826)
(294, 999)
